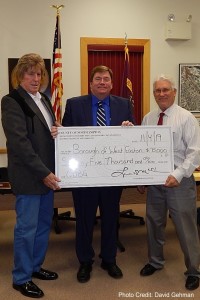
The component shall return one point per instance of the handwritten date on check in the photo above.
(113, 155)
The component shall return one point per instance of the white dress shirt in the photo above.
(43, 109)
(186, 138)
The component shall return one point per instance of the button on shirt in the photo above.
(43, 109)
(186, 138)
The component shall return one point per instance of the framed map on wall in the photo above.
(189, 87)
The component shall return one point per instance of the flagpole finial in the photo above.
(57, 7)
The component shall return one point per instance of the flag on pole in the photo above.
(127, 87)
(57, 85)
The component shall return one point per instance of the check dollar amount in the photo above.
(113, 155)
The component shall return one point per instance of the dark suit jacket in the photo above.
(78, 111)
(30, 146)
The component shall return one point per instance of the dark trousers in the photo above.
(86, 202)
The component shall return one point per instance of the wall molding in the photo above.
(3, 151)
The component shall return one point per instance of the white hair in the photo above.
(163, 77)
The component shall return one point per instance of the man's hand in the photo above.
(171, 181)
(52, 181)
(127, 123)
(54, 129)
(141, 189)
(54, 132)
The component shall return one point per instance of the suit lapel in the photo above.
(113, 112)
(31, 103)
(87, 110)
(48, 107)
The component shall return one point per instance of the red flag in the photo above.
(57, 85)
(127, 87)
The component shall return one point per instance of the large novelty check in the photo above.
(113, 155)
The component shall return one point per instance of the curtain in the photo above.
(113, 57)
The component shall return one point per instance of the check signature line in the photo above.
(124, 173)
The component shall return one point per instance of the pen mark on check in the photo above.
(121, 173)
(124, 172)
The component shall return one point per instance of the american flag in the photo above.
(127, 87)
(57, 85)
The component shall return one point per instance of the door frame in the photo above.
(85, 41)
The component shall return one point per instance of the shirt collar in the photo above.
(105, 101)
(168, 111)
(36, 97)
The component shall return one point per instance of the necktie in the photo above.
(101, 116)
(160, 120)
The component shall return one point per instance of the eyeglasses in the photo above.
(164, 91)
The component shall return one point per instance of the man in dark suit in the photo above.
(82, 111)
(27, 117)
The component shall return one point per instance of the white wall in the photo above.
(28, 26)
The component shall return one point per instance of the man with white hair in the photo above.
(178, 194)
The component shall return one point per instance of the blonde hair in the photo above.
(26, 62)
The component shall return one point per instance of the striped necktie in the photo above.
(101, 116)
(160, 120)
